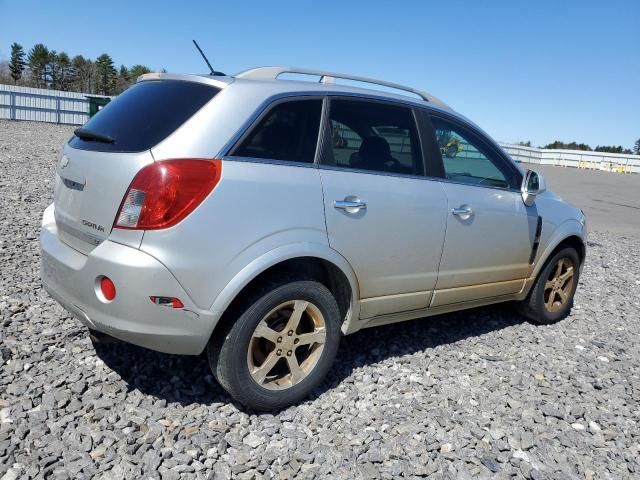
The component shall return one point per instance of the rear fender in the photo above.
(279, 255)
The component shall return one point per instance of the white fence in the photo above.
(611, 162)
(40, 105)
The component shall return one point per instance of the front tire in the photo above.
(280, 347)
(551, 297)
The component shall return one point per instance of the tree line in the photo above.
(557, 144)
(41, 67)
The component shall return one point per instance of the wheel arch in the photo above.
(575, 242)
(305, 261)
(571, 234)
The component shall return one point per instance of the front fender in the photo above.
(276, 256)
(568, 228)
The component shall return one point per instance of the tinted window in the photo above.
(374, 136)
(289, 131)
(467, 159)
(145, 114)
(345, 143)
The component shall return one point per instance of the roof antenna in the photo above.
(213, 72)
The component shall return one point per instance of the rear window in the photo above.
(144, 115)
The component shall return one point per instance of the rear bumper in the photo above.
(70, 277)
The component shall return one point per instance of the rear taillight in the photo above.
(165, 192)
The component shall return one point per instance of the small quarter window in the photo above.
(289, 132)
(373, 136)
(467, 159)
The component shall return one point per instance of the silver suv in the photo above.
(261, 218)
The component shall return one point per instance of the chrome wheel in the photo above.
(559, 285)
(286, 345)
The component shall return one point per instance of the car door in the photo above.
(383, 215)
(490, 232)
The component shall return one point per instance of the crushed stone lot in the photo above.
(480, 393)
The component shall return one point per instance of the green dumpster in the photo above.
(96, 104)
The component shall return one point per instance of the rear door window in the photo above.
(345, 141)
(143, 115)
(374, 136)
(288, 132)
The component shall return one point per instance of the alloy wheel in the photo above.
(559, 285)
(286, 345)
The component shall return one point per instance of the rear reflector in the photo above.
(107, 288)
(163, 193)
(172, 302)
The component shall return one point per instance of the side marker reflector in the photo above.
(172, 302)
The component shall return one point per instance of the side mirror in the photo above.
(532, 184)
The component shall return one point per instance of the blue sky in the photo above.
(523, 70)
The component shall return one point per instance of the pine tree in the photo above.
(52, 70)
(636, 147)
(83, 71)
(124, 72)
(17, 63)
(39, 57)
(123, 81)
(136, 71)
(106, 75)
(63, 71)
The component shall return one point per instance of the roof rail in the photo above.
(272, 73)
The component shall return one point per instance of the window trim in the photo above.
(433, 165)
(324, 139)
(328, 145)
(418, 108)
(254, 121)
(487, 142)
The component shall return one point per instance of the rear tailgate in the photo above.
(102, 159)
(88, 191)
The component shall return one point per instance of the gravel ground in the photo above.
(474, 394)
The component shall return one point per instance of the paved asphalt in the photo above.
(611, 201)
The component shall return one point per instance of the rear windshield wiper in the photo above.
(85, 134)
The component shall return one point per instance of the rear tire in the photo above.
(551, 296)
(279, 348)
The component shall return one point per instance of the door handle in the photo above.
(462, 211)
(350, 204)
